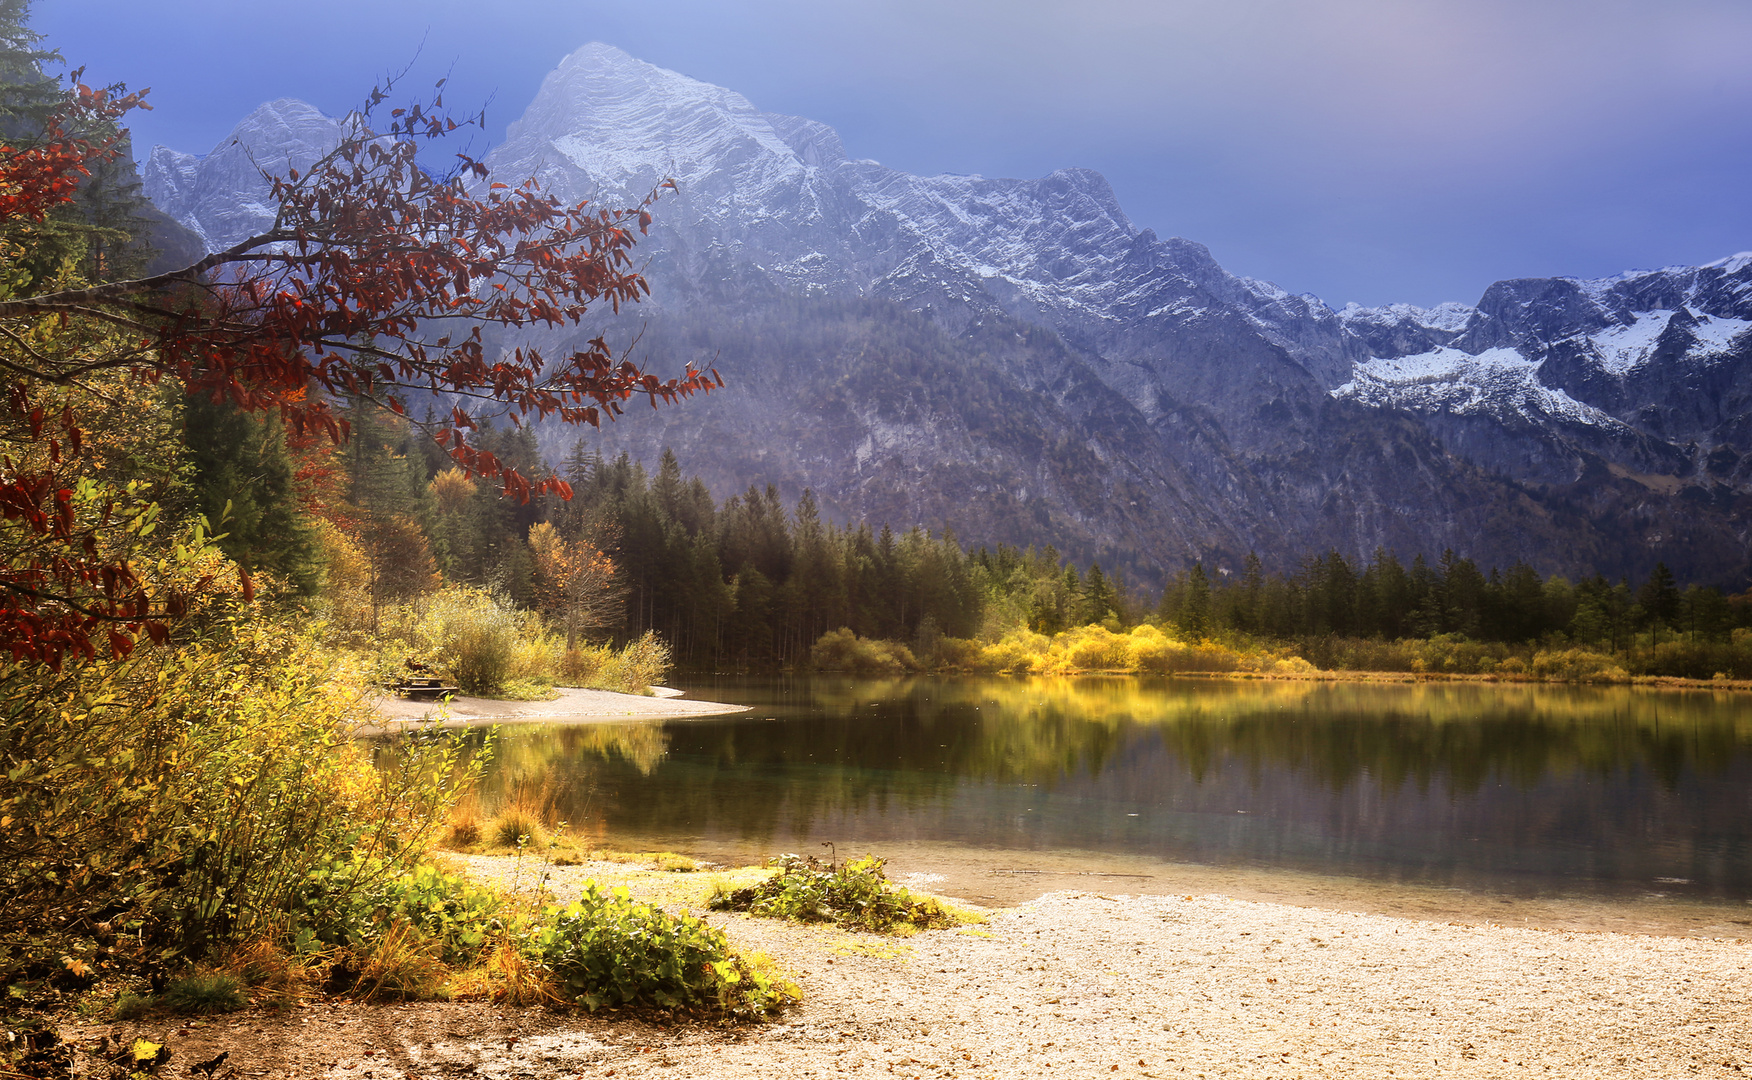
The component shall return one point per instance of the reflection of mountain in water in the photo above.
(1425, 780)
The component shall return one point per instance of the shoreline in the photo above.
(1076, 985)
(1655, 682)
(1003, 879)
(573, 705)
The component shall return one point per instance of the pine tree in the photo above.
(1659, 598)
(1194, 616)
(245, 483)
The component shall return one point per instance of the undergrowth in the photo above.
(855, 895)
(434, 935)
(607, 949)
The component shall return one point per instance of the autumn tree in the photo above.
(576, 581)
(375, 283)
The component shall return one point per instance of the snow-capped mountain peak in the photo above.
(222, 196)
(629, 124)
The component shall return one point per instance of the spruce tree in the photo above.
(246, 484)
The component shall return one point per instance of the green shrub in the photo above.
(842, 650)
(353, 902)
(609, 950)
(1692, 658)
(961, 654)
(239, 776)
(856, 895)
(204, 993)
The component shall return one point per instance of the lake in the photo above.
(1493, 790)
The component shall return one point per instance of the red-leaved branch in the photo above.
(375, 281)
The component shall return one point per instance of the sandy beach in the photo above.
(572, 706)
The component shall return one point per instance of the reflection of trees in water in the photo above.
(1465, 736)
(558, 768)
(1042, 729)
(840, 747)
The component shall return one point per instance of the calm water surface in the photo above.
(1529, 791)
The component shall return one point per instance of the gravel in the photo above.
(1081, 984)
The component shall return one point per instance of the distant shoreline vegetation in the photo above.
(1149, 651)
(752, 584)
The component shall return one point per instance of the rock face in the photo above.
(224, 197)
(1015, 359)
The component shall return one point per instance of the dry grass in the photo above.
(667, 861)
(274, 976)
(517, 826)
(506, 976)
(402, 965)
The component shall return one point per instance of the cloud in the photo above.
(1395, 85)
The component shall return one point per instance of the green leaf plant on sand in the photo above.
(606, 949)
(855, 896)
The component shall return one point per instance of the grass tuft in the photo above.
(267, 968)
(204, 993)
(516, 824)
(402, 965)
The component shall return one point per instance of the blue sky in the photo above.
(1368, 150)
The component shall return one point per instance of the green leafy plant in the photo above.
(607, 949)
(354, 902)
(855, 895)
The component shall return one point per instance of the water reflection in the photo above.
(1518, 788)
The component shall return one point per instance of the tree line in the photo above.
(1327, 596)
(753, 581)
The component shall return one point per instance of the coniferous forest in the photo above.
(754, 582)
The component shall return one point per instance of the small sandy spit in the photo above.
(571, 706)
(1079, 984)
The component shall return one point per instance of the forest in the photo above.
(754, 584)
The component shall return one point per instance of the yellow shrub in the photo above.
(1020, 651)
(1577, 665)
(1092, 648)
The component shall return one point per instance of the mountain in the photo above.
(223, 197)
(1017, 360)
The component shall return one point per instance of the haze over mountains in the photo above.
(1017, 360)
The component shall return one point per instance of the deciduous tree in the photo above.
(375, 282)
(577, 581)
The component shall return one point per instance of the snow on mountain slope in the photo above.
(1601, 336)
(1624, 347)
(1497, 382)
(772, 204)
(776, 195)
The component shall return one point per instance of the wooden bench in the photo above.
(424, 689)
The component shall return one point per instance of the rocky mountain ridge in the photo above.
(1016, 359)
